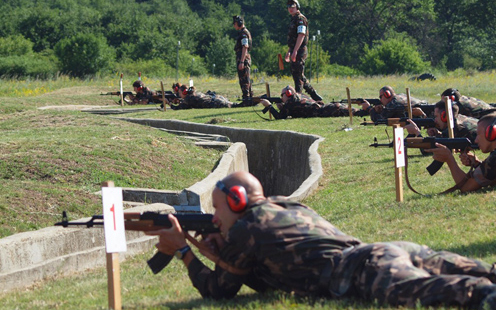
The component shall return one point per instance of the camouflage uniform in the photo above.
(485, 173)
(465, 127)
(202, 101)
(244, 39)
(395, 108)
(474, 107)
(294, 108)
(145, 94)
(298, 67)
(287, 246)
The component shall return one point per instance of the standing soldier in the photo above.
(243, 58)
(297, 51)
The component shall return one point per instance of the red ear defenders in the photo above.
(386, 93)
(444, 117)
(237, 199)
(288, 92)
(491, 132)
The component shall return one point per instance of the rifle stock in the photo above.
(148, 221)
(258, 99)
(463, 144)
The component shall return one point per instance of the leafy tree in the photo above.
(392, 56)
(264, 56)
(220, 57)
(84, 54)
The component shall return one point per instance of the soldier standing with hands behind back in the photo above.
(297, 51)
(243, 58)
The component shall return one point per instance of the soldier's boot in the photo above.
(313, 93)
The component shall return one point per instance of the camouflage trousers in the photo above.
(404, 274)
(244, 80)
(298, 72)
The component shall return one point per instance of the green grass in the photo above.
(55, 160)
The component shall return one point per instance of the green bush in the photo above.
(15, 45)
(33, 65)
(84, 54)
(264, 56)
(392, 56)
(338, 70)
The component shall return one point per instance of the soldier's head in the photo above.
(232, 196)
(185, 90)
(175, 87)
(288, 93)
(138, 85)
(293, 5)
(486, 133)
(440, 115)
(386, 94)
(451, 93)
(238, 21)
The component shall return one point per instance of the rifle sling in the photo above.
(449, 190)
(222, 264)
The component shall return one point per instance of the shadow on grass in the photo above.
(477, 249)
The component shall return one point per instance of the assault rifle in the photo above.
(148, 221)
(361, 100)
(463, 144)
(421, 122)
(118, 93)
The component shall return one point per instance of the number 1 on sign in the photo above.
(113, 213)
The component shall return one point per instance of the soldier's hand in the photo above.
(287, 57)
(433, 132)
(241, 66)
(469, 159)
(265, 102)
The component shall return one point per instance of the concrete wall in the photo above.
(283, 161)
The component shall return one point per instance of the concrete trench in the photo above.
(285, 162)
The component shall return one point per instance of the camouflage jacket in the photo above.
(295, 108)
(283, 245)
(473, 107)
(243, 35)
(145, 94)
(395, 108)
(465, 127)
(296, 21)
(203, 101)
(485, 173)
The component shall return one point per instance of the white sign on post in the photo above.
(449, 107)
(399, 147)
(113, 220)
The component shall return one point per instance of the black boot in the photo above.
(314, 95)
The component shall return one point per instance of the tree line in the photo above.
(43, 38)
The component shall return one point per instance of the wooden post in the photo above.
(449, 116)
(349, 105)
(139, 76)
(163, 95)
(120, 89)
(113, 274)
(267, 91)
(398, 171)
(409, 103)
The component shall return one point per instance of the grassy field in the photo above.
(55, 159)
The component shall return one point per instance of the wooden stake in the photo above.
(163, 95)
(120, 87)
(267, 91)
(410, 112)
(349, 105)
(113, 274)
(398, 171)
(449, 115)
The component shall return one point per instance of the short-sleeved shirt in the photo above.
(284, 245)
(298, 23)
(243, 39)
(485, 173)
